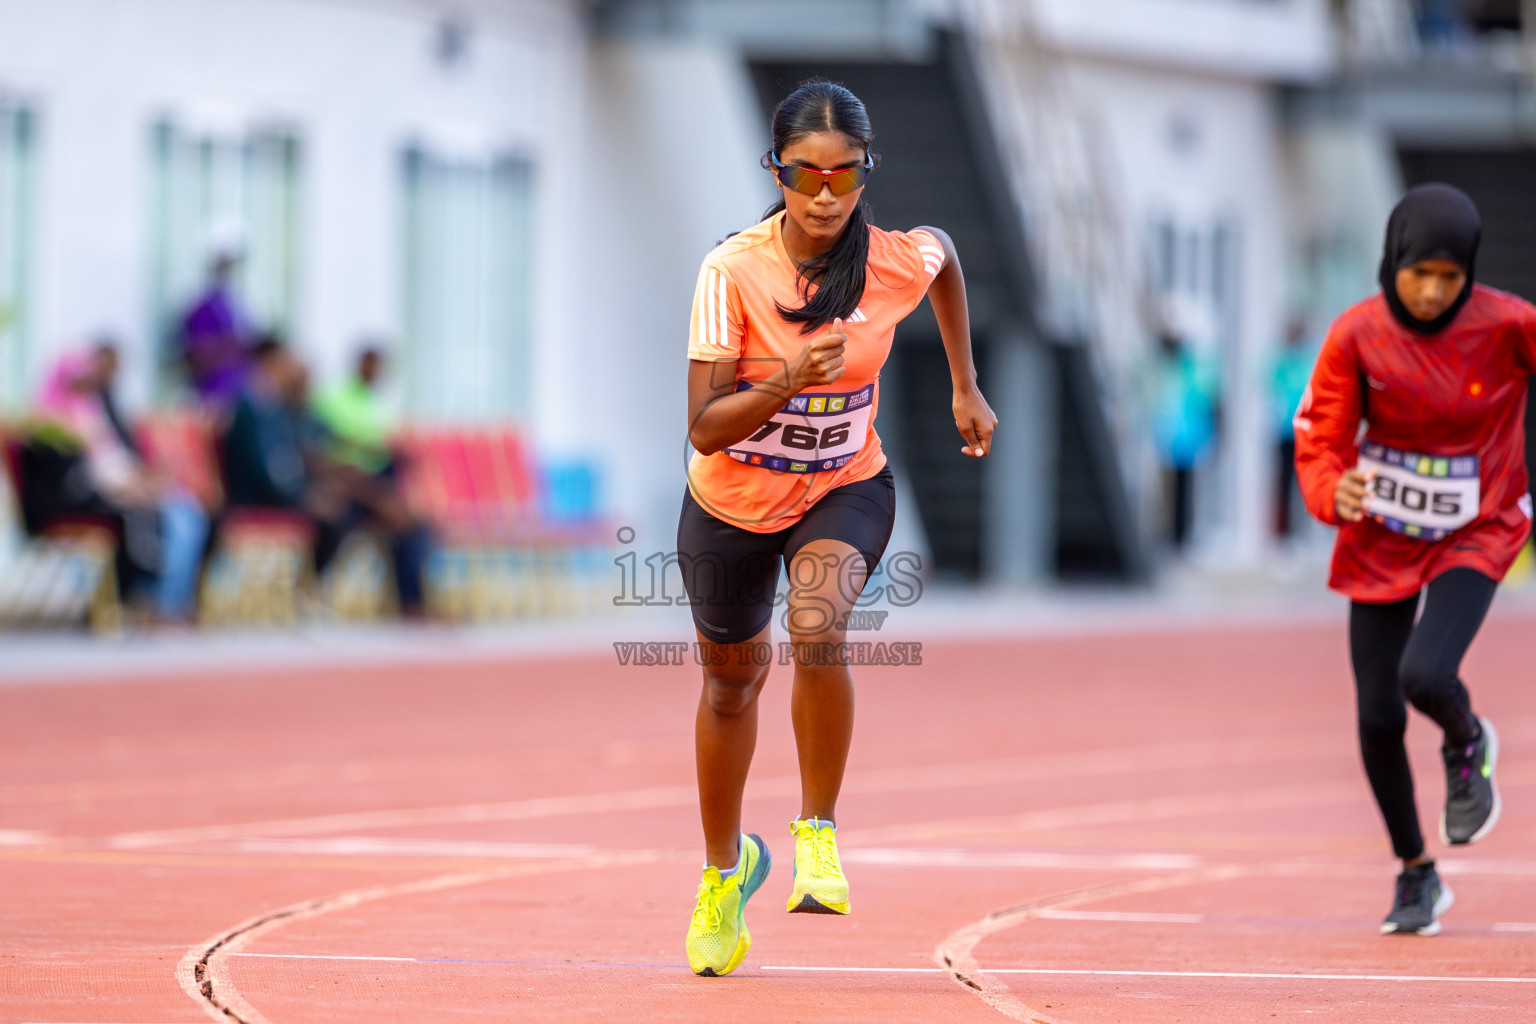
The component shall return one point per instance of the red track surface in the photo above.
(519, 841)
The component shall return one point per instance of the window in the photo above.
(18, 183)
(467, 286)
(223, 191)
(1192, 265)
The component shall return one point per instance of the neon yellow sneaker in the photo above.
(718, 939)
(820, 887)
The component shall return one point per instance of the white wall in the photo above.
(675, 133)
(1204, 148)
(357, 79)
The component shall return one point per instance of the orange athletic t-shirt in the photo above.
(769, 481)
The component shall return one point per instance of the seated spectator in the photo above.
(83, 460)
(276, 456)
(355, 416)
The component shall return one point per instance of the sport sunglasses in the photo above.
(808, 180)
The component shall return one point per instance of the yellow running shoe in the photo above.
(718, 939)
(820, 887)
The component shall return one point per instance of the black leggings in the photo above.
(1397, 662)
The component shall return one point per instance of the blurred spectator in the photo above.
(276, 455)
(354, 414)
(85, 462)
(1443, 24)
(1184, 417)
(1287, 383)
(216, 336)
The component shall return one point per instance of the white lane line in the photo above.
(1091, 972)
(1448, 866)
(1120, 916)
(1143, 808)
(460, 814)
(1263, 975)
(859, 970)
(353, 846)
(1178, 974)
(968, 774)
(1514, 926)
(940, 858)
(380, 846)
(327, 956)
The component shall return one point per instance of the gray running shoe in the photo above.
(1472, 802)
(1421, 899)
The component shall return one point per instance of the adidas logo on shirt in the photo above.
(857, 316)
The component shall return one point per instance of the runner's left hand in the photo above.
(975, 420)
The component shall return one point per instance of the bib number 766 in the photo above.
(805, 438)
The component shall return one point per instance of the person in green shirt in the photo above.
(355, 416)
(351, 456)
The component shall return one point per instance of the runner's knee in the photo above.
(1423, 681)
(1382, 724)
(731, 689)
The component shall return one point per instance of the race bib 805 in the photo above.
(1422, 496)
(812, 433)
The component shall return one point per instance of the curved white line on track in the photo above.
(957, 952)
(203, 972)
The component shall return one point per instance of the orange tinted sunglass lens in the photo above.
(809, 182)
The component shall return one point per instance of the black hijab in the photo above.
(1430, 222)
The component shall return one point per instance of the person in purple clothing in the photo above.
(216, 336)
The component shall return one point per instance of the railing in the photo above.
(1398, 32)
(1089, 289)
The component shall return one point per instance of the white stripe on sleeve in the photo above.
(725, 316)
(713, 317)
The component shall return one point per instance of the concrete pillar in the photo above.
(1019, 489)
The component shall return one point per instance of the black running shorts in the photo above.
(731, 574)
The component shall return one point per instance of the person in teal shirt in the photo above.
(1287, 383)
(1184, 423)
(355, 416)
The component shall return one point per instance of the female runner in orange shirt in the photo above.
(792, 322)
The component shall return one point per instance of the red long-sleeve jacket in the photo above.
(1443, 398)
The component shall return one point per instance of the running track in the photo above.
(1152, 825)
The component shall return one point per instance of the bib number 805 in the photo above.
(798, 435)
(1416, 499)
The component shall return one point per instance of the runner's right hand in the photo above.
(821, 361)
(1349, 496)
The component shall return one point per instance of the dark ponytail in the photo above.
(838, 273)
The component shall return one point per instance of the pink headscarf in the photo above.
(59, 396)
(112, 465)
